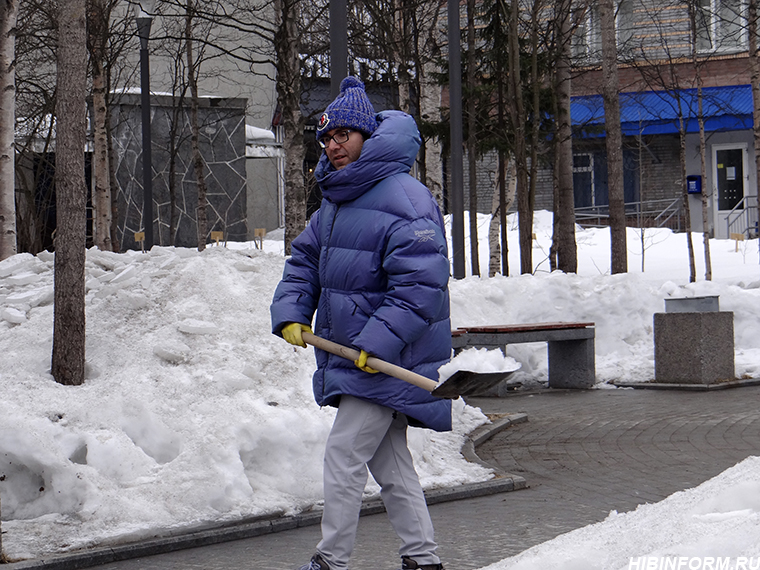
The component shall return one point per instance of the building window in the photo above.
(590, 184)
(625, 26)
(583, 180)
(586, 41)
(587, 31)
(721, 25)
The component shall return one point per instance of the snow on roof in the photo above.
(256, 135)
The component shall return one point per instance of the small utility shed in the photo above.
(651, 123)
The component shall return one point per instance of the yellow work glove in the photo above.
(361, 362)
(292, 333)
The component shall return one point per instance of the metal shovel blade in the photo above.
(466, 383)
(461, 383)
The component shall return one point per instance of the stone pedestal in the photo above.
(694, 348)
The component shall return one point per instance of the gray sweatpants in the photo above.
(369, 435)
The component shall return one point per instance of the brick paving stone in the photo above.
(582, 453)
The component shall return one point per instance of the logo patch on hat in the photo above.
(323, 121)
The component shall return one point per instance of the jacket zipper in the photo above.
(323, 267)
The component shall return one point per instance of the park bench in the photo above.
(570, 347)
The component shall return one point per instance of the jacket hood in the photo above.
(390, 150)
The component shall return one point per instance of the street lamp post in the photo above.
(338, 45)
(143, 13)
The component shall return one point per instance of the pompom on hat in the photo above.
(351, 109)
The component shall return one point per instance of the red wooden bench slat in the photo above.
(520, 328)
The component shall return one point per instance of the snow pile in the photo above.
(715, 525)
(192, 411)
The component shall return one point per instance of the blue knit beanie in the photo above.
(351, 109)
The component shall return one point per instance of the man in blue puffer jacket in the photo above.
(373, 264)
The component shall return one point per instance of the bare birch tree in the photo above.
(518, 119)
(537, 82)
(614, 139)
(702, 140)
(286, 43)
(69, 307)
(192, 64)
(685, 193)
(8, 16)
(97, 36)
(506, 198)
(564, 236)
(493, 69)
(472, 170)
(108, 39)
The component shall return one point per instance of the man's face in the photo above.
(343, 154)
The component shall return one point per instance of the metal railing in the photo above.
(742, 219)
(667, 213)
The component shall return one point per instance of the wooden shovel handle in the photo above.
(379, 365)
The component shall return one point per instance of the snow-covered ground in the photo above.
(193, 412)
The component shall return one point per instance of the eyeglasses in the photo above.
(341, 137)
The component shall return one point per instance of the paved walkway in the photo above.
(582, 453)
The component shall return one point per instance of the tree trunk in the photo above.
(102, 194)
(614, 142)
(472, 139)
(555, 208)
(192, 80)
(494, 245)
(754, 63)
(517, 112)
(706, 226)
(509, 199)
(404, 90)
(98, 38)
(8, 16)
(536, 84)
(115, 243)
(502, 175)
(685, 197)
(497, 230)
(642, 231)
(69, 309)
(288, 99)
(706, 229)
(567, 257)
(176, 127)
(172, 181)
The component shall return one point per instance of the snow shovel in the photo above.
(461, 383)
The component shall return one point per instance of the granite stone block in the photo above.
(694, 348)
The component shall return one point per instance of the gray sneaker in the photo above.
(409, 564)
(316, 563)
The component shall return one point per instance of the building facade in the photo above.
(663, 59)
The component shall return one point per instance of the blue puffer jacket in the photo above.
(373, 263)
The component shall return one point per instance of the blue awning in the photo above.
(726, 108)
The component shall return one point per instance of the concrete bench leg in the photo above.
(572, 364)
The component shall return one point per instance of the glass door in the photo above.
(729, 165)
(729, 170)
